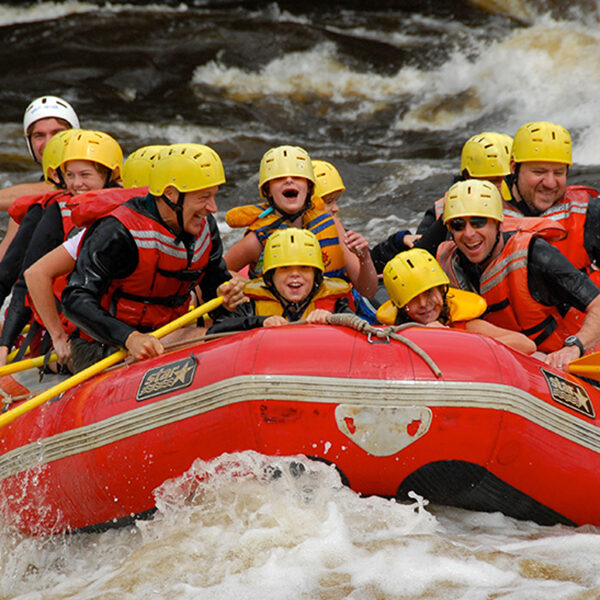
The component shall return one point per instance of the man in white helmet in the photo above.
(43, 118)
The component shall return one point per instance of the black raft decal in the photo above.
(167, 378)
(569, 394)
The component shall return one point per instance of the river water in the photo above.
(389, 94)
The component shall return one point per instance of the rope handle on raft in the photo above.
(359, 324)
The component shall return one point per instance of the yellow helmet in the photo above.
(187, 167)
(486, 155)
(284, 161)
(327, 178)
(53, 153)
(411, 273)
(136, 170)
(542, 141)
(95, 146)
(473, 198)
(292, 247)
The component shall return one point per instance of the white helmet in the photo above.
(46, 107)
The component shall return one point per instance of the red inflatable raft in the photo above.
(493, 431)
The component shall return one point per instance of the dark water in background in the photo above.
(387, 91)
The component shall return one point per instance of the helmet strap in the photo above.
(178, 208)
(293, 309)
(521, 204)
(291, 217)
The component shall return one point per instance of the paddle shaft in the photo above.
(109, 361)
(23, 365)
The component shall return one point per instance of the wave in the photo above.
(535, 73)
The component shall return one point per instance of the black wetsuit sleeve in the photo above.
(342, 306)
(429, 218)
(216, 271)
(554, 281)
(10, 266)
(242, 319)
(383, 252)
(108, 252)
(591, 232)
(432, 237)
(47, 236)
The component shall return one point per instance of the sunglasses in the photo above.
(459, 224)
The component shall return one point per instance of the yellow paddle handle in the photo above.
(109, 361)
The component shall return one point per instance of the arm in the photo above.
(39, 278)
(10, 194)
(553, 280)
(47, 235)
(589, 334)
(108, 252)
(10, 267)
(591, 232)
(383, 252)
(242, 253)
(9, 236)
(428, 219)
(217, 280)
(513, 339)
(243, 319)
(359, 264)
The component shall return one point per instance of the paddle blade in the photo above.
(587, 366)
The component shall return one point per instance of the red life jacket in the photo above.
(158, 290)
(329, 292)
(19, 208)
(96, 204)
(66, 203)
(505, 288)
(571, 213)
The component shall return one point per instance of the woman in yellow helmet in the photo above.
(90, 160)
(292, 286)
(47, 277)
(419, 292)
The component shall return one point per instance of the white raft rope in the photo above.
(387, 333)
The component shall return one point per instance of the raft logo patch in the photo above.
(569, 394)
(167, 378)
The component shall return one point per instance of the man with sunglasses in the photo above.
(483, 156)
(540, 161)
(528, 284)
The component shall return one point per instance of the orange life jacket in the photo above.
(505, 288)
(315, 219)
(329, 292)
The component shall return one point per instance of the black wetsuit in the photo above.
(551, 278)
(109, 252)
(47, 235)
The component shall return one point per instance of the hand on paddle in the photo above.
(232, 292)
(561, 358)
(143, 345)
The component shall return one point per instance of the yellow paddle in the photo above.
(23, 365)
(96, 368)
(588, 366)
